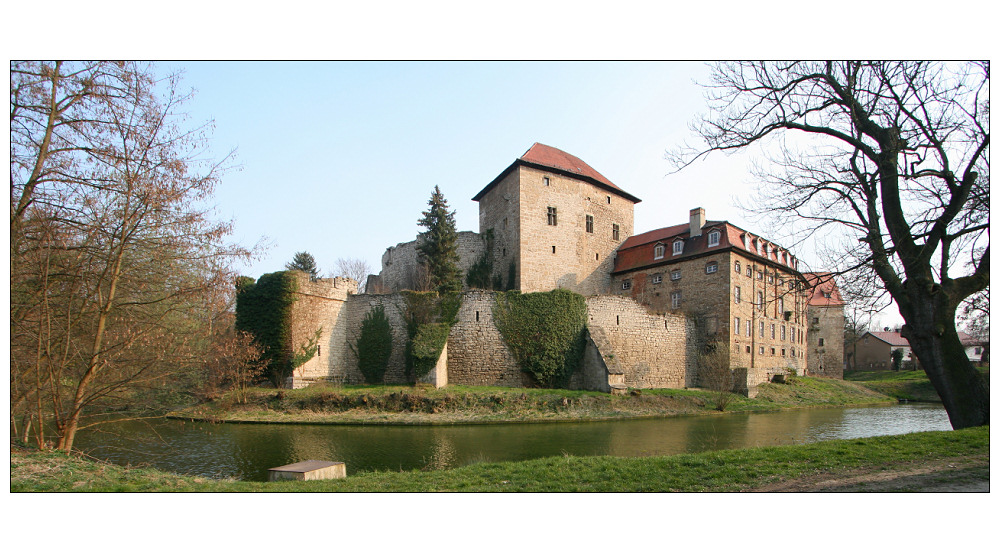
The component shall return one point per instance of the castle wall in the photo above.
(651, 351)
(826, 323)
(477, 354)
(582, 261)
(320, 304)
(402, 271)
(499, 210)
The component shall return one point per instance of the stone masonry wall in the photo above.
(581, 261)
(477, 354)
(499, 210)
(401, 271)
(826, 323)
(320, 304)
(652, 351)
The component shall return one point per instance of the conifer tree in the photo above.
(305, 262)
(437, 247)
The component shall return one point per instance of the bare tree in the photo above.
(894, 156)
(116, 265)
(357, 269)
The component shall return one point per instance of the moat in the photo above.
(246, 451)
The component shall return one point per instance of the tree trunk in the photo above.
(962, 388)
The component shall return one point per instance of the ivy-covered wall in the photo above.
(545, 331)
(264, 309)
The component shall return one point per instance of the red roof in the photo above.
(638, 251)
(824, 290)
(892, 338)
(542, 156)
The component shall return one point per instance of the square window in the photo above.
(590, 223)
(675, 274)
(626, 285)
(711, 267)
(657, 279)
(552, 216)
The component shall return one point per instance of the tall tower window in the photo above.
(615, 232)
(552, 216)
(590, 223)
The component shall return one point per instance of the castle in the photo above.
(551, 221)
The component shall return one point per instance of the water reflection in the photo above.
(246, 451)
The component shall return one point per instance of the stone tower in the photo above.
(555, 222)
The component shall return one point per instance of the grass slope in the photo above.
(464, 404)
(718, 471)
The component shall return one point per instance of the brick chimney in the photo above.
(697, 221)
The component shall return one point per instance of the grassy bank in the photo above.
(901, 385)
(462, 404)
(963, 454)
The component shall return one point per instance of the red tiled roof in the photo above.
(540, 155)
(822, 284)
(892, 338)
(638, 250)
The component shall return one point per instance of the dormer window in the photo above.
(658, 251)
(713, 238)
(678, 247)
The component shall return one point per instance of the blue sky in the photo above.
(339, 159)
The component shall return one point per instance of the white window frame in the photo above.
(713, 238)
(627, 284)
(657, 278)
(711, 267)
(675, 274)
(678, 247)
(738, 327)
(658, 251)
(675, 299)
(736, 294)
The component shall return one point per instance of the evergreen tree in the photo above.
(305, 262)
(437, 247)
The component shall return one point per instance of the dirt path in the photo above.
(950, 475)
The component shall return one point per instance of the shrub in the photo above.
(544, 330)
(426, 346)
(374, 345)
(264, 310)
(429, 317)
